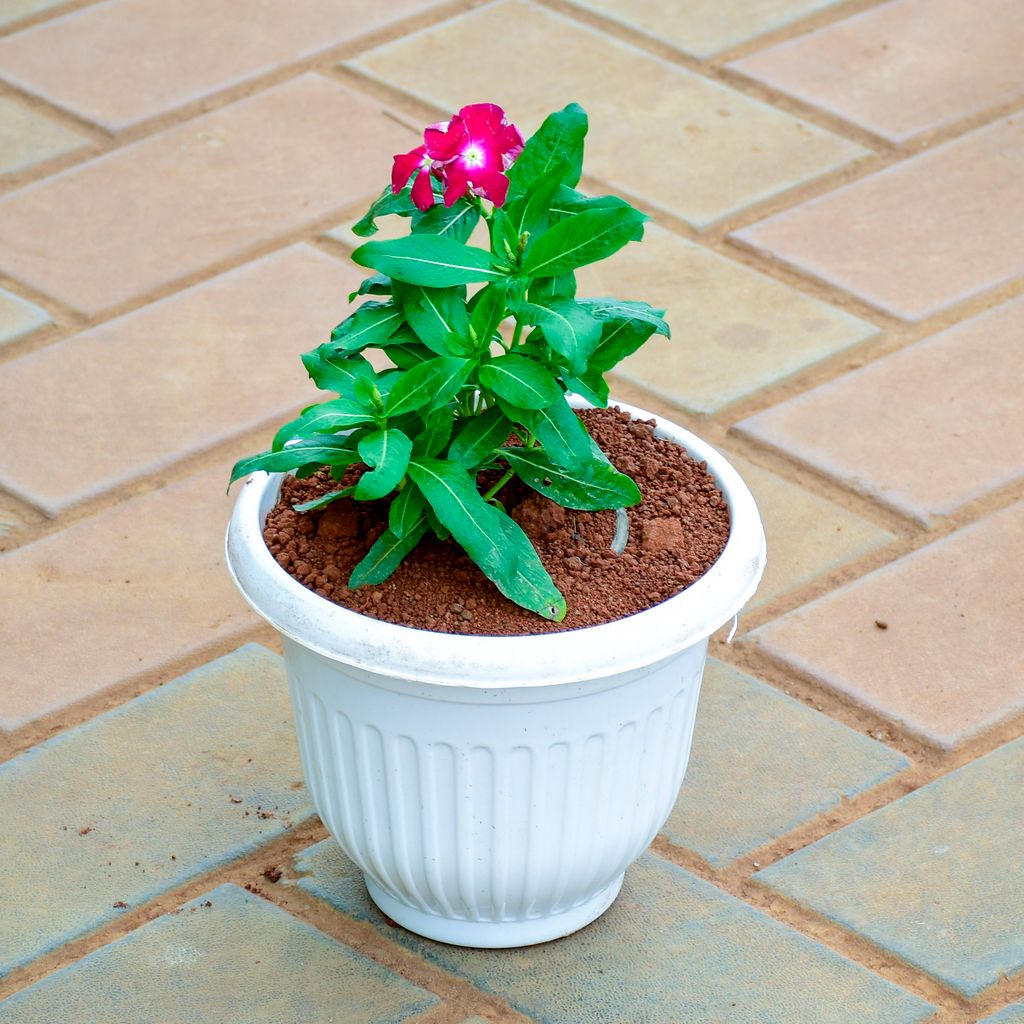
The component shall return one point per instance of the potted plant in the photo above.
(492, 788)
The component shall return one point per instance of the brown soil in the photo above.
(676, 534)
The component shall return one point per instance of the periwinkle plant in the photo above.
(459, 386)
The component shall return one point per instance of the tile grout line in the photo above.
(247, 872)
(111, 140)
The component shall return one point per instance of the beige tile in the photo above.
(733, 330)
(207, 190)
(14, 10)
(950, 662)
(925, 429)
(27, 138)
(123, 61)
(170, 379)
(807, 535)
(905, 67)
(703, 27)
(681, 141)
(125, 592)
(920, 236)
(19, 317)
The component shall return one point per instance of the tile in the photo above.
(170, 379)
(170, 205)
(671, 944)
(947, 666)
(28, 138)
(927, 440)
(879, 237)
(932, 877)
(1010, 1015)
(19, 317)
(14, 10)
(704, 27)
(124, 61)
(904, 67)
(224, 956)
(734, 330)
(747, 782)
(685, 143)
(130, 590)
(141, 799)
(807, 535)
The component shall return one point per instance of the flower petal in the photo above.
(444, 145)
(510, 142)
(404, 166)
(422, 191)
(482, 119)
(493, 186)
(456, 182)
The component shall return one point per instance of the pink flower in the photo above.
(474, 148)
(471, 151)
(417, 162)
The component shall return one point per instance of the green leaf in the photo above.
(326, 450)
(456, 221)
(488, 312)
(559, 140)
(589, 486)
(568, 201)
(581, 239)
(558, 429)
(590, 385)
(504, 240)
(370, 325)
(323, 418)
(435, 314)
(437, 429)
(407, 510)
(441, 532)
(405, 357)
(544, 289)
(568, 328)
(324, 499)
(333, 369)
(521, 382)
(387, 202)
(479, 438)
(375, 284)
(497, 545)
(385, 556)
(368, 394)
(619, 340)
(531, 212)
(428, 385)
(387, 451)
(619, 310)
(431, 260)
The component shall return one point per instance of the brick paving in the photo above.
(837, 196)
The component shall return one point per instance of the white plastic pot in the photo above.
(494, 789)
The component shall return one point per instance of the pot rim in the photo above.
(488, 662)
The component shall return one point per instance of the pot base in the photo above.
(495, 934)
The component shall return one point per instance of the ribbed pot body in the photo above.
(499, 816)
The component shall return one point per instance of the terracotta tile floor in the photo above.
(836, 192)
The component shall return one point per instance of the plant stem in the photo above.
(498, 486)
(516, 335)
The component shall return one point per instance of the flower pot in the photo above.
(494, 790)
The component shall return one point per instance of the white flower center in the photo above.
(473, 155)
